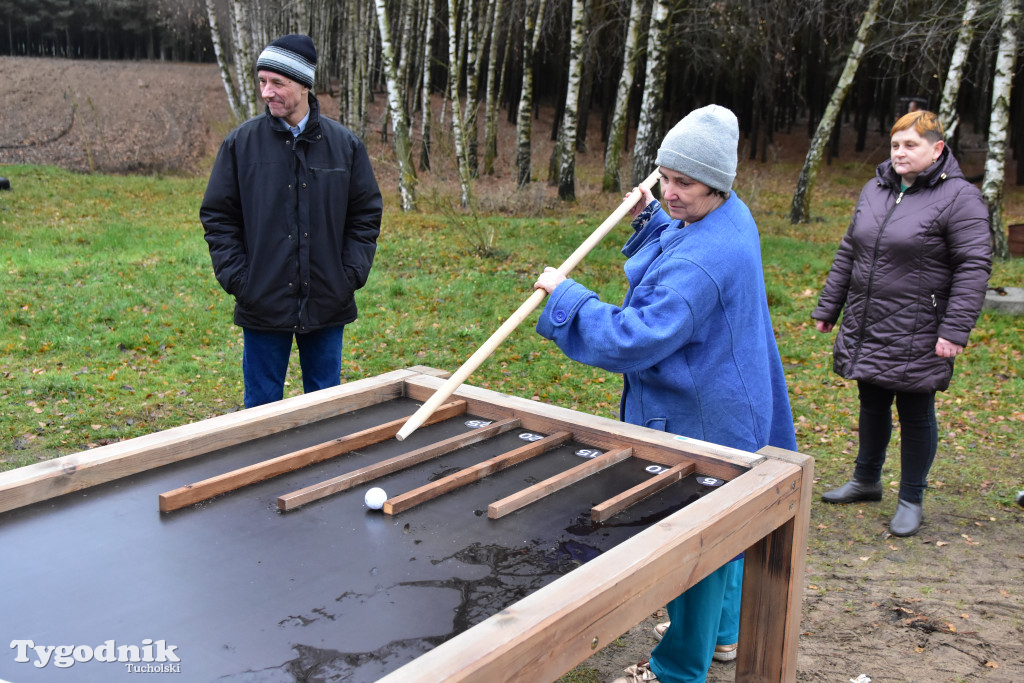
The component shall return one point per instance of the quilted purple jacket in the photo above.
(912, 267)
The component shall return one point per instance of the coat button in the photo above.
(560, 316)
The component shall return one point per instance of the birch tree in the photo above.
(649, 128)
(396, 108)
(425, 109)
(567, 131)
(995, 160)
(800, 210)
(612, 182)
(494, 83)
(406, 44)
(362, 46)
(951, 89)
(465, 181)
(473, 63)
(237, 111)
(245, 58)
(524, 122)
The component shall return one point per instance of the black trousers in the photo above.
(919, 437)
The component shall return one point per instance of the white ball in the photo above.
(375, 498)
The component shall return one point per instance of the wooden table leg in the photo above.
(773, 585)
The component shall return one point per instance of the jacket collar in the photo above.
(313, 124)
(945, 167)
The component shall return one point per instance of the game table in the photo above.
(517, 539)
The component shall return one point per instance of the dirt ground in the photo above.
(946, 605)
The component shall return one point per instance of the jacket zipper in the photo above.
(871, 277)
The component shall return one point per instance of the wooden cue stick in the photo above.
(261, 471)
(290, 501)
(488, 347)
(613, 506)
(508, 504)
(404, 501)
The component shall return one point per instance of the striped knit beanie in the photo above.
(703, 146)
(293, 56)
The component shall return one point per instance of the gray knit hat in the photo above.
(703, 146)
(293, 56)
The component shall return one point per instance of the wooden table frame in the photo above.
(763, 509)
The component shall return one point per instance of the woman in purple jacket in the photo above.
(910, 278)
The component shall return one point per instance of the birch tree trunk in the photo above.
(465, 183)
(245, 60)
(237, 111)
(947, 109)
(649, 128)
(567, 132)
(396, 108)
(473, 64)
(525, 120)
(494, 82)
(361, 93)
(612, 182)
(800, 211)
(406, 61)
(426, 113)
(995, 160)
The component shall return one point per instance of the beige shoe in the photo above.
(638, 673)
(659, 630)
(725, 653)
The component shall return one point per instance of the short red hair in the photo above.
(925, 123)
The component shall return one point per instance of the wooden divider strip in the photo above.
(290, 501)
(614, 506)
(529, 495)
(236, 479)
(403, 502)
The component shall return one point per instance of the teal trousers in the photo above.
(705, 616)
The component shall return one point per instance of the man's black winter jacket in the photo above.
(292, 224)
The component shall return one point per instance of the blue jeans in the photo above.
(265, 362)
(706, 615)
(919, 437)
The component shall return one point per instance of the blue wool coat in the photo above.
(693, 338)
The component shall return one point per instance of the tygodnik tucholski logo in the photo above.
(153, 656)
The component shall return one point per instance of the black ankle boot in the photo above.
(907, 519)
(853, 491)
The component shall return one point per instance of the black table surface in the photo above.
(330, 591)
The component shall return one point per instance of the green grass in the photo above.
(112, 324)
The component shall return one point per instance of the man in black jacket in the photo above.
(291, 214)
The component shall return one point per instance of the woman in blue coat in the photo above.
(693, 340)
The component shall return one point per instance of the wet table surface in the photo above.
(330, 591)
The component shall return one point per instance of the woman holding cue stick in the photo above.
(693, 340)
